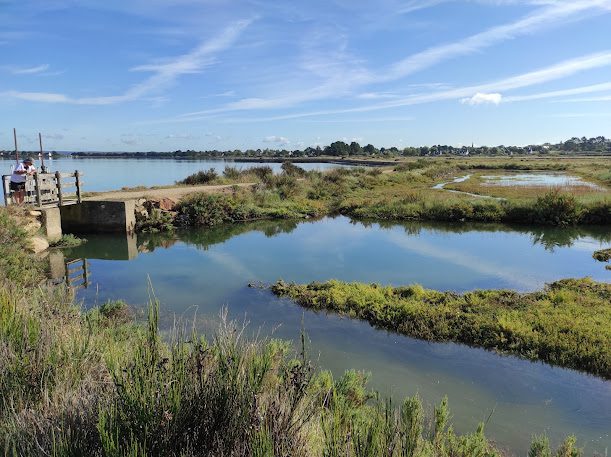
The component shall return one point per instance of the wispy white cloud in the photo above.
(554, 72)
(482, 99)
(180, 136)
(164, 72)
(276, 139)
(556, 13)
(600, 98)
(341, 82)
(25, 70)
(560, 93)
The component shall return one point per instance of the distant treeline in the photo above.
(598, 145)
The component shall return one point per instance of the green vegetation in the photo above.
(567, 324)
(94, 383)
(403, 193)
(68, 241)
(602, 255)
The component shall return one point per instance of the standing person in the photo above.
(21, 171)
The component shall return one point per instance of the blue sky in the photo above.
(218, 74)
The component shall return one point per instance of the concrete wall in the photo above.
(99, 217)
(51, 224)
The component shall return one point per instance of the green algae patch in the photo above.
(568, 323)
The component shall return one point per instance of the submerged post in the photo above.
(58, 179)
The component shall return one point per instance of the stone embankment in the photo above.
(31, 222)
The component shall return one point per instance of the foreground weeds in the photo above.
(94, 383)
(567, 324)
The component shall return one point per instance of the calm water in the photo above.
(204, 270)
(113, 174)
(538, 180)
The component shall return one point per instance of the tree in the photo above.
(370, 149)
(338, 148)
(355, 148)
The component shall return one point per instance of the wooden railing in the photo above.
(77, 273)
(47, 189)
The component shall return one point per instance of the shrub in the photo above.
(556, 208)
(231, 172)
(201, 177)
(291, 169)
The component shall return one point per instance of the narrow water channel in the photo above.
(204, 270)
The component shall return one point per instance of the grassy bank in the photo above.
(567, 324)
(402, 193)
(95, 383)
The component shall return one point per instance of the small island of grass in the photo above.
(568, 323)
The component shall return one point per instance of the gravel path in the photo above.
(175, 193)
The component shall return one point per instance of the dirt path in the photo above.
(175, 193)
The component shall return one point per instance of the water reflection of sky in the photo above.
(537, 179)
(113, 174)
(205, 270)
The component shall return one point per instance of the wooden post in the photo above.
(58, 179)
(16, 148)
(5, 191)
(78, 186)
(37, 183)
(42, 154)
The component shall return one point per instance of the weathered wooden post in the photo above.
(77, 175)
(6, 191)
(16, 148)
(37, 184)
(58, 179)
(42, 155)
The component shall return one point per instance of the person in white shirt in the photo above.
(21, 171)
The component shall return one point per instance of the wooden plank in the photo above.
(72, 262)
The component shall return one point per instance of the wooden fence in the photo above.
(77, 273)
(47, 189)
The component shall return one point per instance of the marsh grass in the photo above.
(94, 383)
(567, 324)
(404, 193)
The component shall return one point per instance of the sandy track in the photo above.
(175, 193)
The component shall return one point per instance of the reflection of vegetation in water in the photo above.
(548, 237)
(68, 241)
(603, 255)
(205, 237)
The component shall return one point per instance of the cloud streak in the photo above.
(165, 73)
(554, 72)
(482, 99)
(341, 82)
(27, 70)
